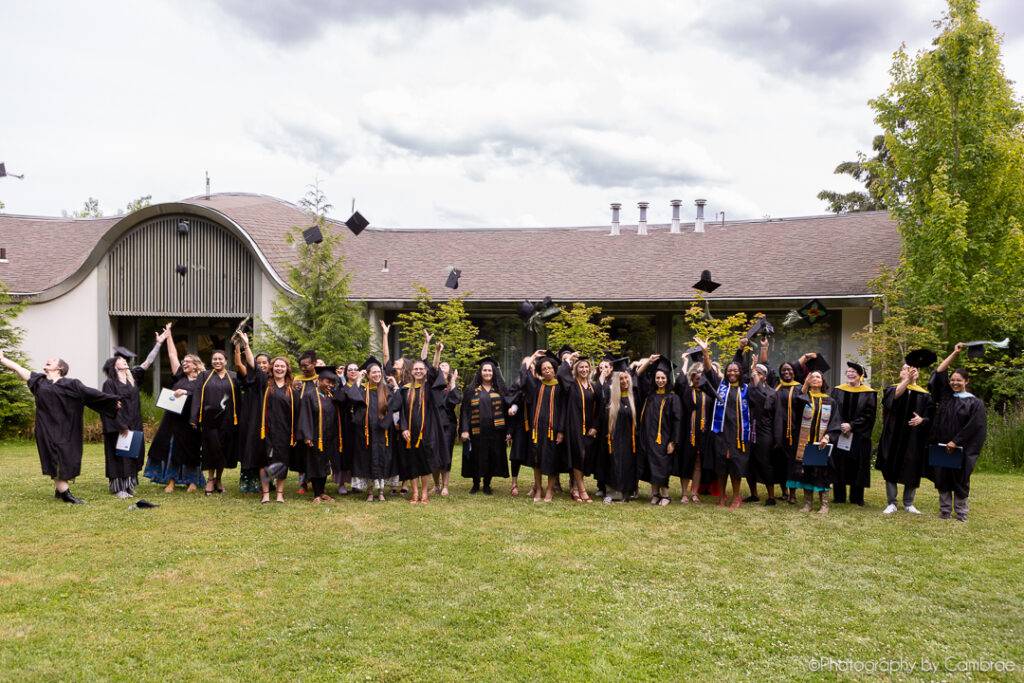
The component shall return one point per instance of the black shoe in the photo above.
(488, 491)
(769, 503)
(475, 489)
(751, 499)
(71, 498)
(56, 494)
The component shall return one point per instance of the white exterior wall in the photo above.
(67, 327)
(854, 320)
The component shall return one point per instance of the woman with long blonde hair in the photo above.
(619, 417)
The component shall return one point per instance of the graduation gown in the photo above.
(785, 429)
(128, 417)
(278, 422)
(902, 449)
(623, 452)
(859, 407)
(518, 427)
(761, 398)
(962, 421)
(600, 459)
(544, 413)
(661, 417)
(450, 398)
(250, 450)
(58, 430)
(176, 443)
(812, 407)
(215, 415)
(320, 422)
(697, 409)
(373, 434)
(580, 415)
(484, 416)
(731, 445)
(297, 462)
(420, 414)
(343, 461)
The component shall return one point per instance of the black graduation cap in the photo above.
(3, 170)
(183, 226)
(813, 311)
(487, 359)
(181, 270)
(453, 279)
(372, 360)
(620, 364)
(143, 504)
(706, 284)
(565, 349)
(818, 364)
(547, 356)
(313, 235)
(761, 327)
(525, 309)
(920, 358)
(123, 353)
(276, 470)
(856, 366)
(663, 364)
(310, 354)
(607, 357)
(975, 350)
(327, 372)
(695, 353)
(356, 223)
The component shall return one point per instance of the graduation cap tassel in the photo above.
(792, 318)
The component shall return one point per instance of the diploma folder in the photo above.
(816, 456)
(168, 401)
(129, 445)
(939, 456)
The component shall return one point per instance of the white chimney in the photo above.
(615, 218)
(698, 224)
(676, 203)
(641, 225)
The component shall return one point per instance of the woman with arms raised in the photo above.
(373, 399)
(544, 410)
(661, 419)
(903, 446)
(215, 415)
(250, 450)
(581, 418)
(695, 463)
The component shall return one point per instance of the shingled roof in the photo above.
(824, 256)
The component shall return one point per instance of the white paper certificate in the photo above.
(844, 441)
(168, 401)
(124, 442)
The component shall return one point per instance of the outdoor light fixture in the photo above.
(183, 227)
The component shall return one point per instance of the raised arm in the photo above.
(155, 351)
(172, 351)
(437, 354)
(707, 353)
(425, 351)
(14, 367)
(385, 346)
(944, 365)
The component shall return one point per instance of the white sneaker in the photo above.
(889, 509)
(912, 510)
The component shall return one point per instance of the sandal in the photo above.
(515, 490)
(664, 501)
(576, 496)
(585, 498)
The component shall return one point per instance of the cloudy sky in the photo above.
(453, 112)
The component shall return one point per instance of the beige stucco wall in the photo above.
(67, 327)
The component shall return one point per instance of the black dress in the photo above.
(483, 415)
(250, 450)
(518, 427)
(215, 415)
(544, 413)
(698, 410)
(422, 453)
(343, 461)
(785, 429)
(297, 462)
(622, 471)
(320, 423)
(373, 434)
(128, 418)
(731, 445)
(600, 460)
(58, 430)
(858, 407)
(449, 399)
(174, 454)
(278, 422)
(902, 449)
(761, 398)
(661, 419)
(580, 411)
(962, 421)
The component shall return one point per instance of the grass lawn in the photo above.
(476, 587)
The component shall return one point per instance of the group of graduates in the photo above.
(394, 424)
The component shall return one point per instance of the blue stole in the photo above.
(718, 421)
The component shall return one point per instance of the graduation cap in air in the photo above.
(811, 312)
(183, 226)
(4, 173)
(620, 364)
(372, 360)
(706, 284)
(525, 309)
(547, 356)
(276, 470)
(313, 235)
(356, 223)
(976, 349)
(120, 351)
(181, 270)
(327, 372)
(453, 278)
(920, 358)
(818, 364)
(761, 328)
(695, 353)
(856, 366)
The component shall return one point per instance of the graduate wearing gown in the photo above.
(519, 431)
(819, 419)
(250, 399)
(544, 408)
(903, 446)
(601, 458)
(959, 422)
(660, 423)
(420, 425)
(304, 383)
(730, 426)
(122, 473)
(484, 426)
(448, 400)
(341, 466)
(785, 427)
(762, 401)
(215, 415)
(372, 403)
(174, 455)
(60, 402)
(857, 404)
(320, 429)
(695, 465)
(581, 418)
(620, 426)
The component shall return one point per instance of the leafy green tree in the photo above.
(90, 209)
(721, 334)
(321, 317)
(583, 328)
(449, 324)
(16, 406)
(862, 170)
(954, 183)
(138, 203)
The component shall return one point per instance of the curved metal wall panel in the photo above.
(143, 280)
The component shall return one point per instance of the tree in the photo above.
(16, 405)
(90, 209)
(139, 203)
(954, 183)
(862, 170)
(722, 334)
(321, 316)
(583, 328)
(449, 324)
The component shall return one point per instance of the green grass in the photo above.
(491, 588)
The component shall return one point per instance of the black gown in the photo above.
(297, 463)
(600, 460)
(543, 410)
(343, 461)
(698, 410)
(622, 437)
(853, 467)
(128, 417)
(58, 430)
(278, 423)
(730, 447)
(761, 398)
(373, 434)
(250, 450)
(785, 429)
(962, 421)
(320, 422)
(420, 415)
(175, 446)
(661, 417)
(450, 398)
(902, 449)
(580, 415)
(484, 417)
(818, 476)
(518, 427)
(215, 415)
